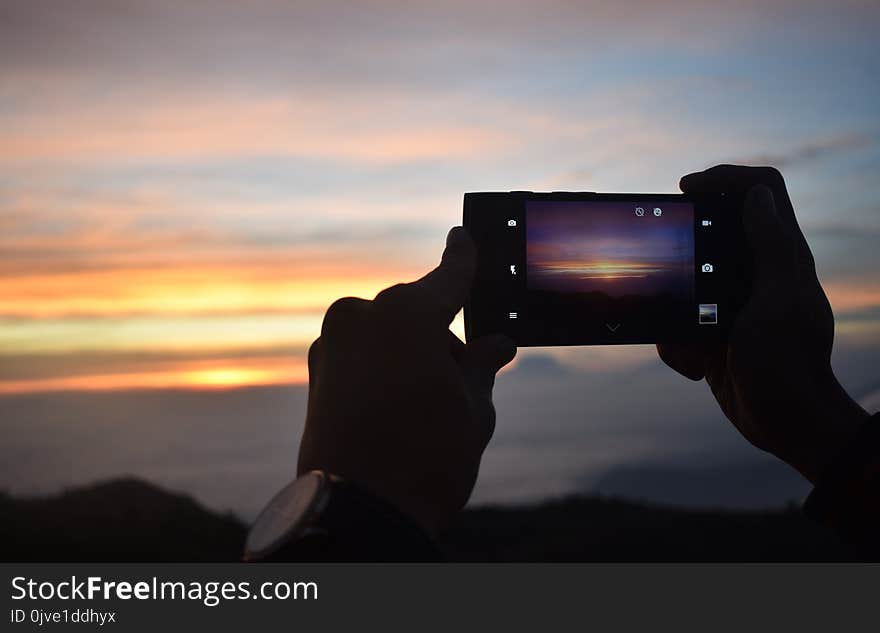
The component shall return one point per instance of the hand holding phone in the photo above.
(720, 277)
(397, 403)
(773, 377)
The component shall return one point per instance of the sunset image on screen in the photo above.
(607, 248)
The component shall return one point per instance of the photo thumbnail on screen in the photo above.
(600, 264)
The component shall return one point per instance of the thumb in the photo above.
(480, 361)
(771, 245)
(449, 284)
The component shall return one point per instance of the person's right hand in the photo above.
(773, 379)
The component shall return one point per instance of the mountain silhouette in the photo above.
(119, 520)
(134, 521)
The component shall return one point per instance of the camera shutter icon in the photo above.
(708, 268)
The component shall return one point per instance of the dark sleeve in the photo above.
(847, 497)
(357, 526)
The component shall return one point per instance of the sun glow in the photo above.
(599, 269)
(226, 377)
(246, 374)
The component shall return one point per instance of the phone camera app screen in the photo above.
(624, 267)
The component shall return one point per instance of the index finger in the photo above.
(446, 287)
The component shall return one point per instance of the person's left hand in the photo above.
(397, 403)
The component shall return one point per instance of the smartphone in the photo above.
(586, 268)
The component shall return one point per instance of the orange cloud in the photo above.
(852, 296)
(171, 291)
(205, 375)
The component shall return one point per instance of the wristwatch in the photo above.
(323, 517)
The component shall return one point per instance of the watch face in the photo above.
(284, 514)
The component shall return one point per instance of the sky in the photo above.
(185, 187)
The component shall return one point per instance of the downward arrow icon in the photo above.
(614, 327)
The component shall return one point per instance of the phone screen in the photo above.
(602, 263)
(570, 269)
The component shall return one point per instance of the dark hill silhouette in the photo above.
(612, 530)
(131, 520)
(119, 520)
(743, 484)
